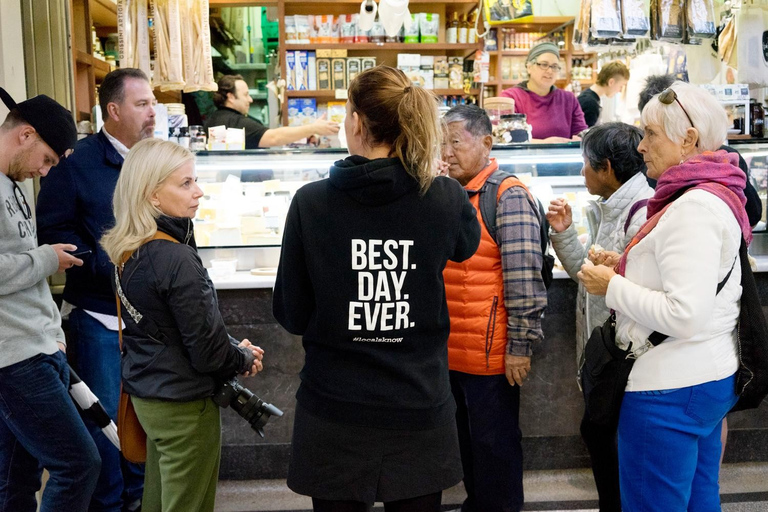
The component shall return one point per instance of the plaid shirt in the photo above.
(525, 296)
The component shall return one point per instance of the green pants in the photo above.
(183, 454)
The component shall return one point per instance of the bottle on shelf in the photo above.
(463, 30)
(472, 35)
(452, 30)
(756, 119)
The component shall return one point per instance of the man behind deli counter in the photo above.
(233, 101)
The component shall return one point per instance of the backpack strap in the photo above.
(490, 193)
(642, 203)
(144, 323)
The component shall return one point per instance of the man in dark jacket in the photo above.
(234, 100)
(75, 206)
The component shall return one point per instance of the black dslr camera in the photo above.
(252, 408)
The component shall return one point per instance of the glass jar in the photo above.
(513, 128)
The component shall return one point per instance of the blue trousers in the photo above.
(669, 447)
(98, 365)
(41, 428)
(487, 417)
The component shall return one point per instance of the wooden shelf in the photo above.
(357, 2)
(415, 47)
(325, 94)
(535, 21)
(104, 13)
(246, 66)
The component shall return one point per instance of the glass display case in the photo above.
(247, 193)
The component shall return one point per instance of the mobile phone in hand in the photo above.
(79, 253)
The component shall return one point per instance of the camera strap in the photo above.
(142, 322)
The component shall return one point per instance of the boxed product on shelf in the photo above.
(427, 71)
(290, 73)
(311, 71)
(338, 54)
(339, 73)
(429, 27)
(301, 111)
(409, 64)
(290, 30)
(367, 63)
(441, 72)
(412, 34)
(455, 72)
(481, 69)
(337, 111)
(325, 28)
(353, 69)
(323, 73)
(302, 28)
(300, 68)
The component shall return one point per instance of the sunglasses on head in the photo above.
(667, 96)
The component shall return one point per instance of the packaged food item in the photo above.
(324, 27)
(361, 36)
(301, 111)
(290, 71)
(169, 66)
(302, 28)
(606, 18)
(377, 33)
(455, 72)
(634, 18)
(412, 34)
(367, 63)
(339, 73)
(441, 72)
(347, 28)
(337, 111)
(196, 46)
(427, 71)
(323, 73)
(452, 29)
(353, 69)
(133, 34)
(302, 74)
(429, 26)
(700, 18)
(671, 20)
(409, 64)
(290, 30)
(311, 71)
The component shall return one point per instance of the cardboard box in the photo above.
(338, 73)
(301, 111)
(301, 70)
(311, 71)
(290, 72)
(324, 54)
(323, 74)
(367, 63)
(427, 71)
(353, 69)
(338, 54)
(441, 72)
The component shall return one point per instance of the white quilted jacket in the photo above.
(606, 227)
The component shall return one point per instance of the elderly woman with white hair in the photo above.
(678, 277)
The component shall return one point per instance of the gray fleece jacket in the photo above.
(30, 323)
(606, 227)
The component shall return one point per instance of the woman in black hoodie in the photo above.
(178, 352)
(360, 278)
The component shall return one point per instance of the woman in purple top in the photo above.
(554, 114)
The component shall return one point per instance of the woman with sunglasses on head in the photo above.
(554, 114)
(679, 277)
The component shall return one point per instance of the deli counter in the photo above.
(247, 194)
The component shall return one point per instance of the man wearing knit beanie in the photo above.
(40, 427)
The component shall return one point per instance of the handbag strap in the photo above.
(149, 325)
(655, 338)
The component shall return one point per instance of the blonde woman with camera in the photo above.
(179, 352)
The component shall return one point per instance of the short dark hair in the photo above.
(475, 119)
(226, 85)
(654, 85)
(13, 119)
(112, 88)
(615, 143)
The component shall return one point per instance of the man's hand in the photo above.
(559, 215)
(258, 355)
(441, 167)
(517, 368)
(66, 260)
(324, 127)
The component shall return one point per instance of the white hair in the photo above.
(708, 116)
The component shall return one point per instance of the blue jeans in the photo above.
(98, 365)
(41, 428)
(669, 447)
(490, 440)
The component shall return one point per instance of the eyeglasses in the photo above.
(668, 96)
(544, 66)
(21, 202)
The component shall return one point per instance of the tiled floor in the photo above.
(744, 488)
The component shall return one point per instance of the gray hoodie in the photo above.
(30, 323)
